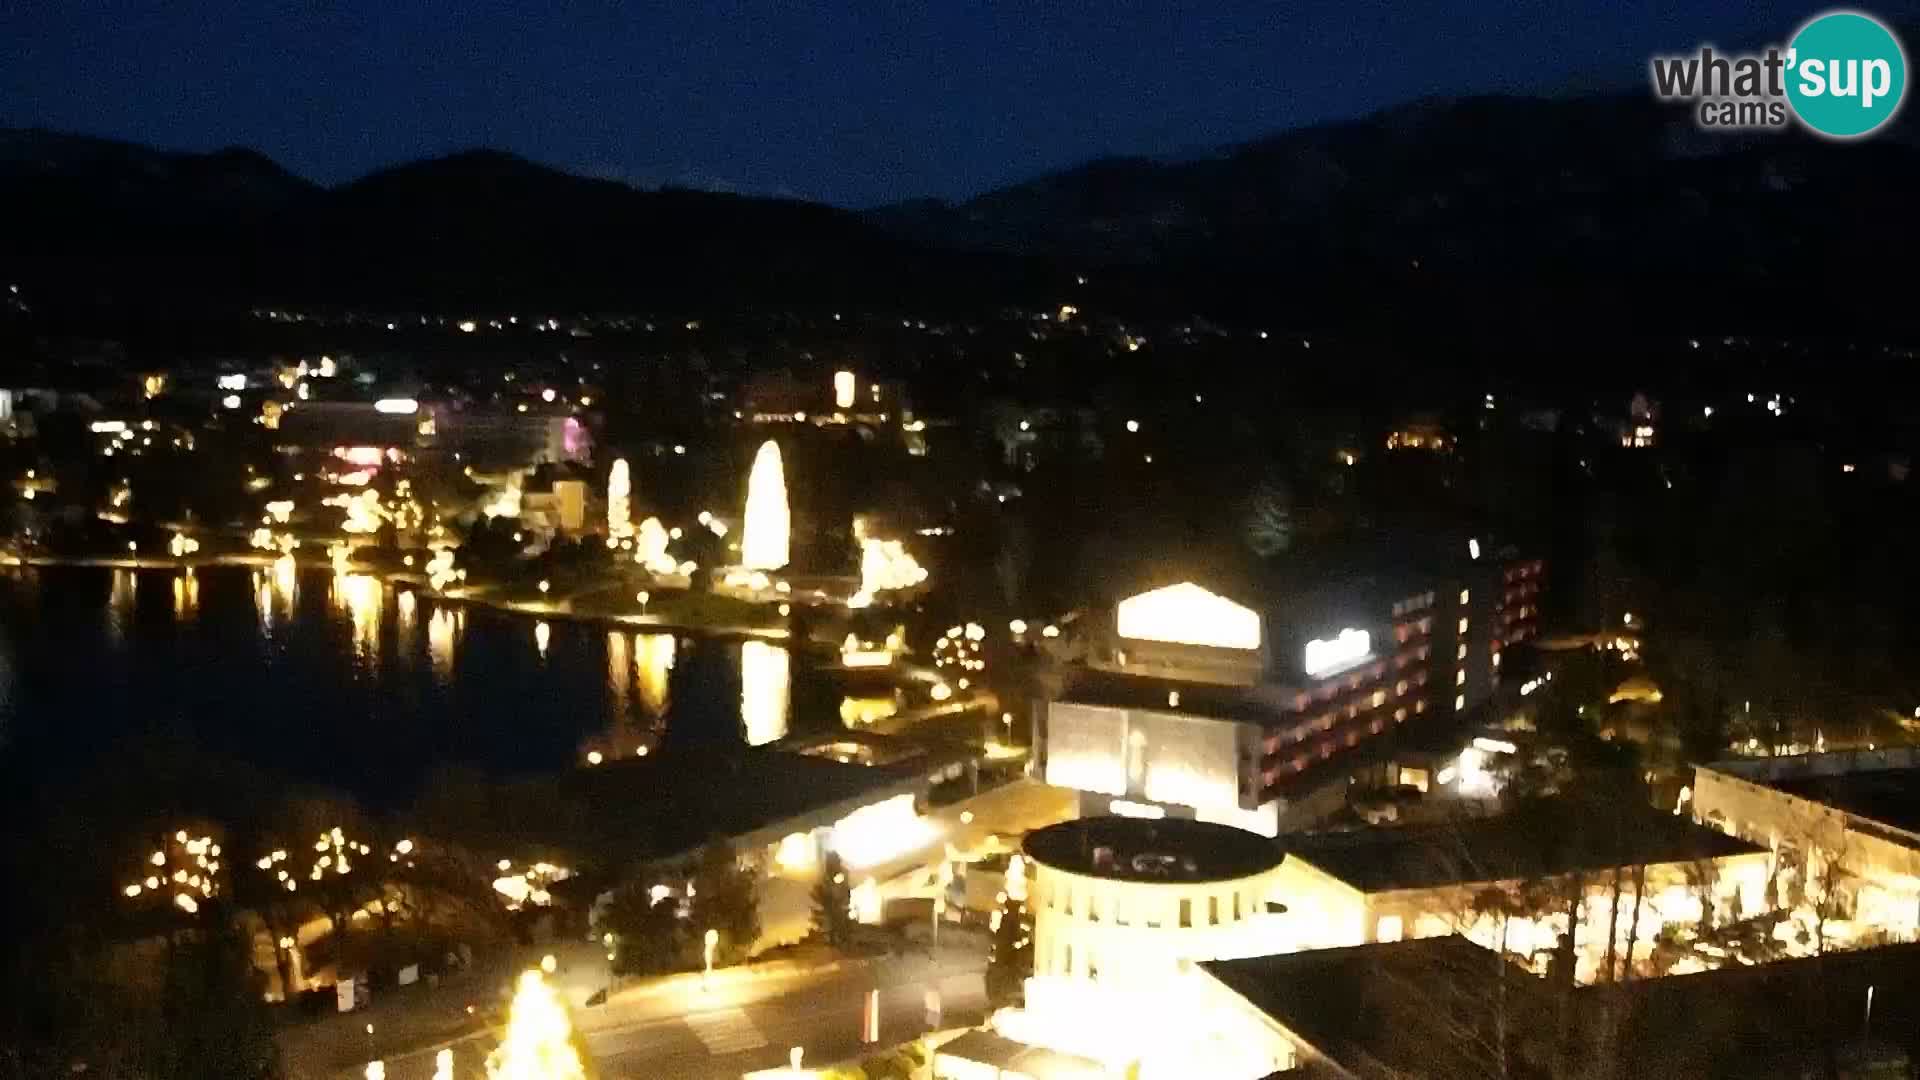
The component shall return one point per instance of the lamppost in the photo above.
(711, 939)
(643, 597)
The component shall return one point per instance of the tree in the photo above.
(832, 903)
(649, 937)
(1267, 518)
(215, 1021)
(1010, 953)
(539, 1043)
(725, 899)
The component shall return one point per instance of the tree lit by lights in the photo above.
(183, 870)
(650, 548)
(619, 501)
(768, 521)
(528, 887)
(539, 1043)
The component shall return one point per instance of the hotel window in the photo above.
(1400, 715)
(1388, 928)
(1460, 677)
(1461, 652)
(1463, 624)
(1463, 596)
(1379, 698)
(1400, 688)
(1459, 702)
(1420, 706)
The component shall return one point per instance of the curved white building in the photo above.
(1126, 900)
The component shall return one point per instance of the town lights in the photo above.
(397, 406)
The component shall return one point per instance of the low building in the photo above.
(1127, 901)
(1851, 819)
(1500, 883)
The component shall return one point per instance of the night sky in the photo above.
(855, 104)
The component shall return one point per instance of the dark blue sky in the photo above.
(854, 104)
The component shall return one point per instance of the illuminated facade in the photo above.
(1841, 817)
(1383, 885)
(1128, 901)
(1124, 911)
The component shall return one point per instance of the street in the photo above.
(740, 1026)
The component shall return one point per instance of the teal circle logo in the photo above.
(1846, 74)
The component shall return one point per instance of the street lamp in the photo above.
(643, 597)
(706, 977)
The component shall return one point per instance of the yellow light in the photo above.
(768, 521)
(594, 757)
(538, 1041)
(1186, 614)
(844, 386)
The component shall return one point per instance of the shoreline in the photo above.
(539, 610)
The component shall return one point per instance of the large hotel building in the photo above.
(1258, 703)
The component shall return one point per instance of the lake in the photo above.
(348, 682)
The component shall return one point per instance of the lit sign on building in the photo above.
(1186, 614)
(1327, 657)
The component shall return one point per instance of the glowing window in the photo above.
(1388, 929)
(1459, 702)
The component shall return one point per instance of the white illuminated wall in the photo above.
(1141, 932)
(1157, 756)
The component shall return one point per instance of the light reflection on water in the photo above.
(766, 681)
(238, 661)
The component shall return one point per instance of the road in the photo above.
(731, 1030)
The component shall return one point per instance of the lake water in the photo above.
(347, 682)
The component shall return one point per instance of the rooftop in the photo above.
(1888, 796)
(1166, 850)
(1503, 848)
(1386, 1004)
(669, 802)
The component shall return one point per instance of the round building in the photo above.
(1119, 899)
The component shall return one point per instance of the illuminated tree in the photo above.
(725, 899)
(1010, 954)
(539, 1043)
(832, 902)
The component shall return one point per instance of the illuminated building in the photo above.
(1350, 888)
(1128, 901)
(1202, 706)
(1856, 812)
(1123, 911)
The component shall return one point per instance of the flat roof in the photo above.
(1368, 1002)
(1888, 796)
(679, 797)
(1502, 848)
(1168, 850)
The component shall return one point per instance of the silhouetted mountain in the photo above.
(1498, 199)
(1593, 212)
(475, 227)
